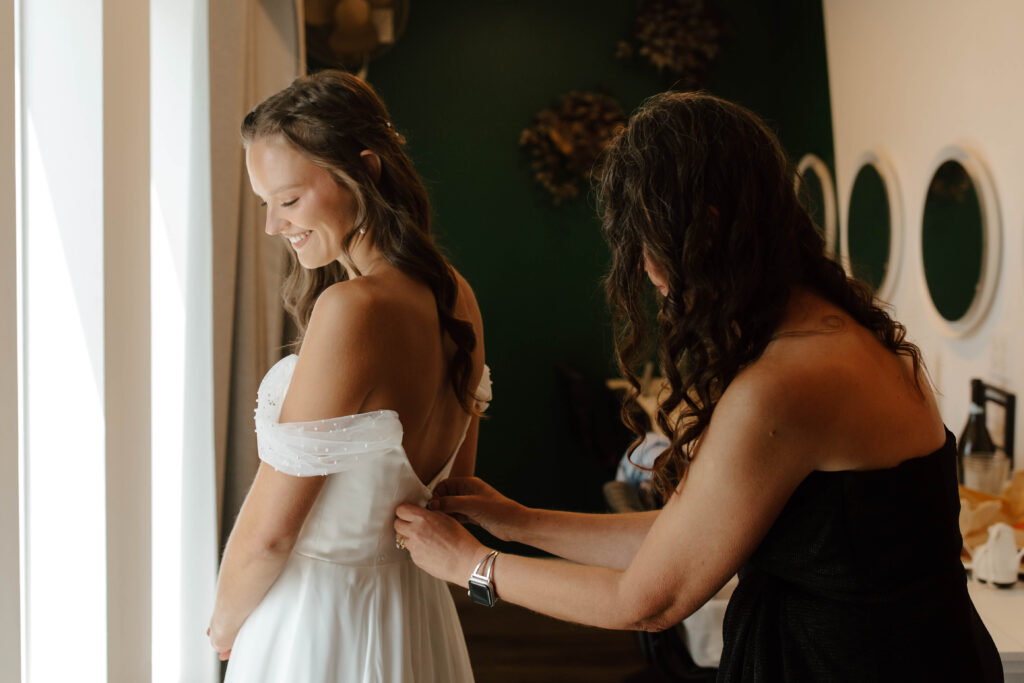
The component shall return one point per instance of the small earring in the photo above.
(362, 231)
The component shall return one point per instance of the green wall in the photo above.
(462, 83)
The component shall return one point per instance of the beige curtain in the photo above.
(254, 52)
(10, 594)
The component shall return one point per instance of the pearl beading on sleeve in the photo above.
(319, 447)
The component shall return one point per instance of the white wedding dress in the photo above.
(349, 606)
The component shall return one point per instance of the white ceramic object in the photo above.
(998, 560)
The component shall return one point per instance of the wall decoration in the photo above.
(873, 238)
(960, 240)
(951, 240)
(347, 34)
(678, 37)
(535, 59)
(564, 141)
(815, 188)
(869, 226)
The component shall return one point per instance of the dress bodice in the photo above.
(853, 533)
(859, 579)
(368, 473)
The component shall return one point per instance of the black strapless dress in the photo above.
(859, 579)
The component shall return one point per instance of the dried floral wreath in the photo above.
(677, 36)
(564, 141)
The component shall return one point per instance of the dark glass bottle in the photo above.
(975, 439)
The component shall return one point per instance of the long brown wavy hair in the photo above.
(704, 187)
(331, 117)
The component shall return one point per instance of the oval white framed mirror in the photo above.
(961, 241)
(821, 197)
(872, 235)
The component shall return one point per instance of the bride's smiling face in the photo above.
(304, 203)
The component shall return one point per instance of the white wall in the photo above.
(908, 79)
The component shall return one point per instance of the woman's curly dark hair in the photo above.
(704, 188)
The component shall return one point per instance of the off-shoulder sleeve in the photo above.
(319, 447)
(484, 393)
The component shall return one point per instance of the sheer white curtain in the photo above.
(254, 52)
(84, 165)
(217, 320)
(129, 350)
(184, 496)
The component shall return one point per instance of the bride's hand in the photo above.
(220, 643)
(438, 544)
(469, 499)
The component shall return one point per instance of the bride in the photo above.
(381, 403)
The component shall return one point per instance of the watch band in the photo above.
(481, 587)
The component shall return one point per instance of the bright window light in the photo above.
(168, 353)
(184, 543)
(65, 522)
(64, 472)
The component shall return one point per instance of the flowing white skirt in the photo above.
(321, 621)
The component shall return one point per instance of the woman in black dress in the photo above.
(807, 452)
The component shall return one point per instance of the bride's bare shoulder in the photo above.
(347, 328)
(466, 306)
(339, 359)
(356, 310)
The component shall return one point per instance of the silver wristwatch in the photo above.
(481, 588)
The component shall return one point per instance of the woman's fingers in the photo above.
(409, 512)
(473, 501)
(413, 521)
(456, 504)
(403, 528)
(408, 518)
(436, 542)
(460, 486)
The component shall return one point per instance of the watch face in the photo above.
(480, 593)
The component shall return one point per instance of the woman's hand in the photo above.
(220, 642)
(438, 544)
(471, 500)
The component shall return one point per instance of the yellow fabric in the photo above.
(980, 510)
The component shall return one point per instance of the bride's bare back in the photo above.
(375, 343)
